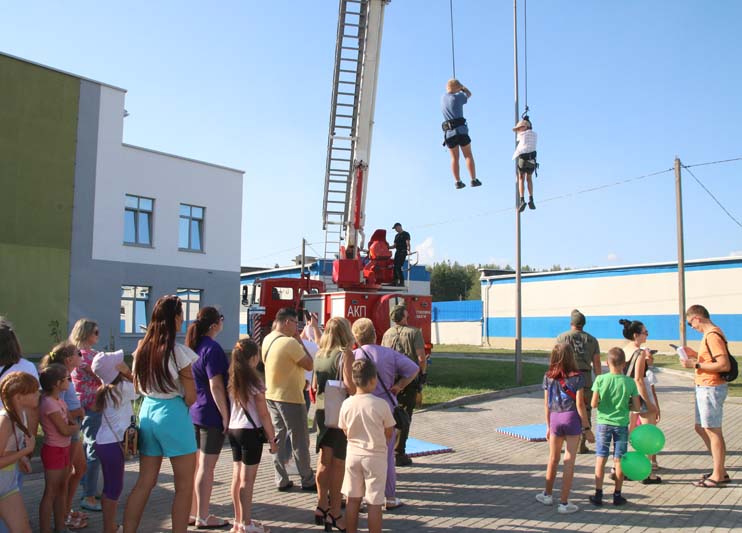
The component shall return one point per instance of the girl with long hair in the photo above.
(334, 359)
(210, 411)
(67, 355)
(85, 334)
(639, 359)
(249, 417)
(163, 376)
(566, 420)
(55, 453)
(19, 392)
(113, 402)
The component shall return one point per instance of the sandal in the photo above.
(726, 479)
(211, 522)
(75, 522)
(707, 483)
(191, 520)
(329, 527)
(255, 527)
(319, 519)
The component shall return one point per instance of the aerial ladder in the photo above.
(357, 50)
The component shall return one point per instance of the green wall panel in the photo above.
(38, 132)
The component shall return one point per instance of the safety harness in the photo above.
(448, 125)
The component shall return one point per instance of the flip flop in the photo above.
(707, 483)
(726, 479)
(211, 522)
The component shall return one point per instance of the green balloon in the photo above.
(647, 439)
(636, 466)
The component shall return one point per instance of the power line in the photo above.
(712, 196)
(713, 162)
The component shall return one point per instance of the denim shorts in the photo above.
(603, 436)
(710, 405)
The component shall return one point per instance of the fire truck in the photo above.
(362, 272)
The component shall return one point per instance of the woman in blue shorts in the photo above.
(566, 419)
(162, 375)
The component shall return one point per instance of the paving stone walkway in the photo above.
(491, 480)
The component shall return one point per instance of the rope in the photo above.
(712, 196)
(453, 51)
(525, 53)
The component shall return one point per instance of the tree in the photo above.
(450, 281)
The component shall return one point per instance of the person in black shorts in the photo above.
(402, 249)
(456, 132)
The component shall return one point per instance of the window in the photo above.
(138, 220)
(134, 309)
(191, 299)
(191, 228)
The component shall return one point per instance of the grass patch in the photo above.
(672, 362)
(453, 378)
(483, 350)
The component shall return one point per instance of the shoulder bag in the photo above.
(130, 440)
(733, 371)
(335, 394)
(401, 418)
(262, 437)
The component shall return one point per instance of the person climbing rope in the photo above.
(456, 132)
(525, 152)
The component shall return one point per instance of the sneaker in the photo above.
(619, 500)
(475, 182)
(596, 500)
(544, 498)
(652, 481)
(532, 205)
(522, 205)
(402, 460)
(567, 508)
(309, 488)
(288, 486)
(460, 184)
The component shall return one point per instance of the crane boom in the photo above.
(357, 49)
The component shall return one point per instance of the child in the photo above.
(113, 400)
(614, 395)
(19, 392)
(67, 354)
(248, 409)
(525, 152)
(55, 453)
(456, 132)
(566, 419)
(368, 424)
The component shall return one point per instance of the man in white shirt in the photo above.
(525, 152)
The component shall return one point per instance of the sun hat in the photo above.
(105, 363)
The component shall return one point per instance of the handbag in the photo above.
(262, 437)
(401, 418)
(335, 394)
(129, 443)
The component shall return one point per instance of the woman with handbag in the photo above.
(250, 427)
(113, 402)
(162, 374)
(390, 365)
(332, 382)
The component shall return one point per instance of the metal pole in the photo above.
(303, 259)
(518, 332)
(681, 250)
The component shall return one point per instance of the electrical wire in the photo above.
(713, 162)
(712, 196)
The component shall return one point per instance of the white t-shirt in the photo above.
(312, 348)
(238, 420)
(526, 143)
(184, 357)
(115, 420)
(24, 365)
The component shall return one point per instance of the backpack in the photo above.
(733, 371)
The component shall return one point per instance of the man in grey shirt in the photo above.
(587, 357)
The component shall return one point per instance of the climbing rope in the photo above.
(453, 51)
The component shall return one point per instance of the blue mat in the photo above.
(530, 433)
(418, 448)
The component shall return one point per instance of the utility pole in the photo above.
(518, 312)
(681, 250)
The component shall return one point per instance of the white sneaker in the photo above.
(567, 508)
(543, 498)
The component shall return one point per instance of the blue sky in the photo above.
(616, 90)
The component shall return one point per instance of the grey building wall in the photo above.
(95, 286)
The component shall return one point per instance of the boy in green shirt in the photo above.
(614, 396)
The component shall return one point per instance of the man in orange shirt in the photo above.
(711, 390)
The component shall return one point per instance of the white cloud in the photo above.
(426, 251)
(612, 257)
(735, 253)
